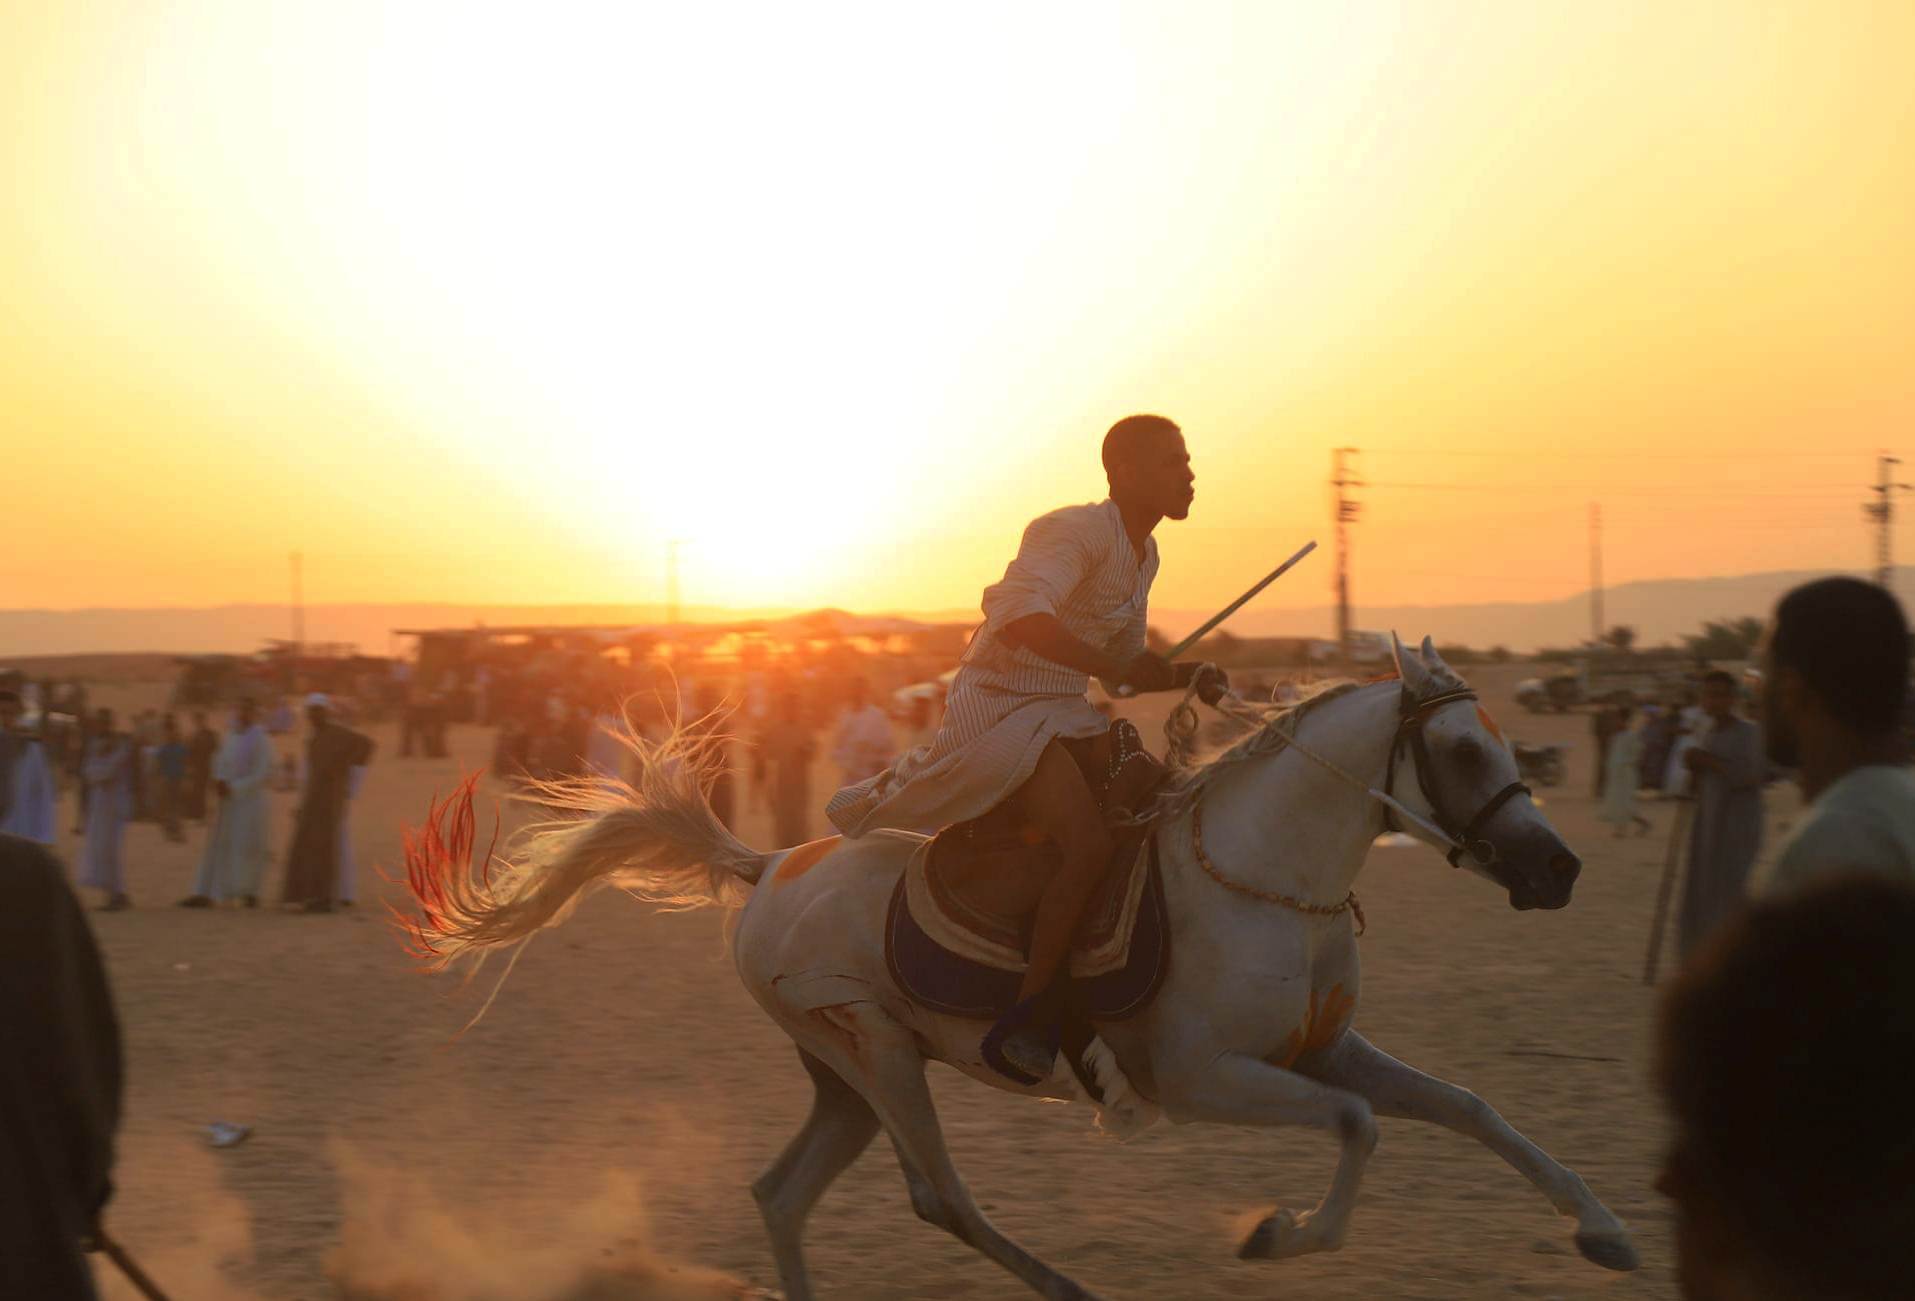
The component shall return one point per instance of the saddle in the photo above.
(959, 925)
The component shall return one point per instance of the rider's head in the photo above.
(1148, 466)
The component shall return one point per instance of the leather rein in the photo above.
(1412, 714)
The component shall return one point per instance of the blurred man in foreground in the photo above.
(1786, 1048)
(1835, 681)
(60, 1079)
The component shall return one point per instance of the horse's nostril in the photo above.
(1564, 867)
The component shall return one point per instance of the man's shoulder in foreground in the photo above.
(1084, 515)
(1863, 823)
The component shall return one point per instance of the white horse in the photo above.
(1252, 1025)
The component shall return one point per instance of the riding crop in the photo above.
(1232, 608)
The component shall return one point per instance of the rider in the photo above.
(1073, 603)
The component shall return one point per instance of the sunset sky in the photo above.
(486, 303)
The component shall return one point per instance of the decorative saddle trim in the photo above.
(1102, 943)
(937, 978)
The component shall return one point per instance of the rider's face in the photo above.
(1160, 477)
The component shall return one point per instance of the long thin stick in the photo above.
(1667, 890)
(1237, 604)
(128, 1266)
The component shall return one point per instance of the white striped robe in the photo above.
(1007, 703)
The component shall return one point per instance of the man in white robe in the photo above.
(864, 746)
(1072, 604)
(27, 791)
(236, 852)
(108, 773)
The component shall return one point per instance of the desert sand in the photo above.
(611, 1108)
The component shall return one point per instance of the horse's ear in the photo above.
(1415, 674)
(1439, 670)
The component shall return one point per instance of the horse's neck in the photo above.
(1286, 824)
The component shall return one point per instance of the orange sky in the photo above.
(488, 308)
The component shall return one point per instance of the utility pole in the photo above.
(1882, 511)
(1595, 574)
(299, 607)
(1345, 512)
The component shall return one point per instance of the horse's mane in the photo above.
(1272, 725)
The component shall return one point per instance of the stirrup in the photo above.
(1032, 1039)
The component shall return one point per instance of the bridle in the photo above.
(1412, 714)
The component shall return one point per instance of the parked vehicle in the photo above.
(1543, 764)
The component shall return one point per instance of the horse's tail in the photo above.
(654, 836)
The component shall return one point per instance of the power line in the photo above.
(1820, 492)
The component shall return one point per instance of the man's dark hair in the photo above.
(1849, 641)
(1719, 678)
(1785, 1050)
(1125, 437)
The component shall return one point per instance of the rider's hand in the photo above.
(1212, 684)
(1150, 672)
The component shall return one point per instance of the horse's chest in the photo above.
(1312, 1008)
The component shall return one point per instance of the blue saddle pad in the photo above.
(932, 976)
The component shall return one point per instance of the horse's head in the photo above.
(1451, 764)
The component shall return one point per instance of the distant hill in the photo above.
(1660, 611)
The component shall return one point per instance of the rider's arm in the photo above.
(1044, 635)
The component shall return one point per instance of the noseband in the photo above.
(1411, 715)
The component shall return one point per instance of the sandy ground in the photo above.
(624, 1090)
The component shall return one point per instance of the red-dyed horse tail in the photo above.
(655, 837)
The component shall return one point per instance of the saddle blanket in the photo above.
(952, 957)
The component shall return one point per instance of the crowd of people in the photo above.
(155, 771)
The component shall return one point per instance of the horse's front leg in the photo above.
(1394, 1089)
(1235, 1089)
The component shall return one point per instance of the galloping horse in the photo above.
(1252, 1025)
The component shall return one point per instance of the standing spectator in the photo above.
(169, 780)
(1730, 768)
(1691, 721)
(201, 746)
(11, 746)
(312, 864)
(108, 772)
(1603, 727)
(1625, 765)
(235, 857)
(865, 746)
(76, 768)
(1834, 686)
(27, 794)
(60, 1080)
(1784, 1053)
(782, 769)
(348, 861)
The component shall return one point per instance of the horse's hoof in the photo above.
(1274, 1237)
(1610, 1249)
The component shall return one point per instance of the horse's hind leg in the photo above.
(1394, 1089)
(840, 1127)
(880, 1058)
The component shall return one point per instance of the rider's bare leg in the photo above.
(1058, 803)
